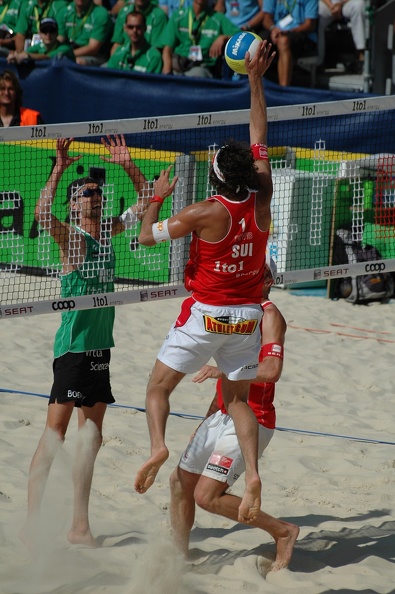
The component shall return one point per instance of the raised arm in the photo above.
(43, 211)
(256, 68)
(120, 155)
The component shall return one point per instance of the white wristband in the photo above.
(129, 218)
(160, 232)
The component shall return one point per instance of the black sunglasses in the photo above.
(89, 192)
(48, 30)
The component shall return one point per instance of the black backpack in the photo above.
(364, 289)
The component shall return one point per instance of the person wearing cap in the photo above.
(48, 47)
(31, 14)
(212, 461)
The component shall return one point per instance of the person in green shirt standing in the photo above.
(9, 12)
(194, 41)
(137, 55)
(31, 14)
(87, 27)
(49, 46)
(155, 18)
(85, 337)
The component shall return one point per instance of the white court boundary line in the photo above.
(158, 293)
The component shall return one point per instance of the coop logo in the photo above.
(63, 305)
(375, 267)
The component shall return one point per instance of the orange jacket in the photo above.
(29, 117)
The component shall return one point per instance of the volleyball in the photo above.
(237, 47)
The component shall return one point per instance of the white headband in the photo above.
(216, 168)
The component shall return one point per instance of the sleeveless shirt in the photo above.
(89, 329)
(230, 271)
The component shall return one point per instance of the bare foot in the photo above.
(284, 547)
(251, 503)
(146, 475)
(28, 536)
(86, 539)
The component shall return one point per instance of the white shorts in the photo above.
(214, 450)
(229, 335)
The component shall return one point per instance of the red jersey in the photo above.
(230, 271)
(260, 397)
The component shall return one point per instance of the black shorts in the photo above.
(82, 378)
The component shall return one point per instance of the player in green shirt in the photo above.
(85, 337)
(194, 40)
(49, 46)
(87, 27)
(137, 55)
(31, 14)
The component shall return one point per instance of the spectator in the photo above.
(30, 16)
(49, 46)
(9, 12)
(194, 41)
(292, 31)
(170, 6)
(245, 14)
(87, 27)
(11, 111)
(353, 11)
(137, 55)
(154, 16)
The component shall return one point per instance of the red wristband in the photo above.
(272, 349)
(259, 152)
(156, 199)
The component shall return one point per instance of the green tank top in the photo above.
(88, 329)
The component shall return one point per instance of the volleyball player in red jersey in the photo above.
(212, 461)
(225, 275)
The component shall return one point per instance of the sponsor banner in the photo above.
(223, 326)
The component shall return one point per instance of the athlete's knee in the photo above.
(206, 500)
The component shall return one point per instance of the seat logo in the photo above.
(63, 305)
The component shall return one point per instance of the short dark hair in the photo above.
(136, 12)
(236, 164)
(12, 77)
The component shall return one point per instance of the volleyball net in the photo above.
(333, 168)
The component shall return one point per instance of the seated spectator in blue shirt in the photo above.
(245, 14)
(170, 6)
(48, 47)
(136, 55)
(292, 31)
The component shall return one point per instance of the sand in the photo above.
(330, 467)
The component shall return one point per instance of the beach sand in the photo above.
(330, 467)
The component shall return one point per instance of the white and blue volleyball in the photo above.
(237, 47)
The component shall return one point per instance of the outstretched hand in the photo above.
(206, 372)
(117, 148)
(162, 186)
(258, 65)
(63, 159)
